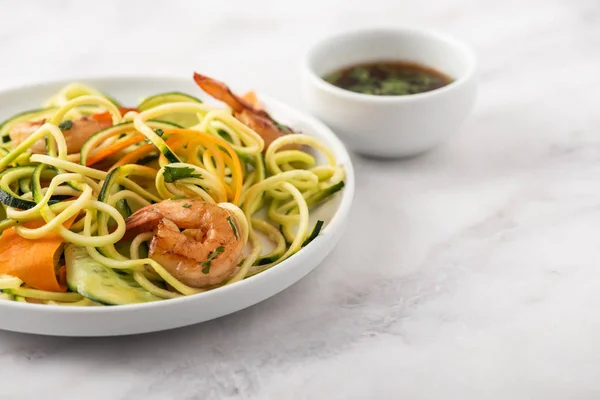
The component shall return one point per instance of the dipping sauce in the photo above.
(388, 78)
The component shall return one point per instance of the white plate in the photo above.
(168, 314)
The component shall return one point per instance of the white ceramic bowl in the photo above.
(391, 126)
(167, 314)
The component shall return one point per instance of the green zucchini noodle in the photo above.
(171, 198)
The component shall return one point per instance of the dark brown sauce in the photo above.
(388, 78)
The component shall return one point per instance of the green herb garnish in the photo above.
(65, 125)
(159, 132)
(186, 205)
(233, 228)
(211, 256)
(360, 74)
(173, 174)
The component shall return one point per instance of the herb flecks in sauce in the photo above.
(388, 78)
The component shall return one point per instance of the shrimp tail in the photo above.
(220, 91)
(143, 220)
(249, 112)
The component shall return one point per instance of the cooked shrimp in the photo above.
(77, 134)
(221, 92)
(193, 240)
(21, 131)
(252, 116)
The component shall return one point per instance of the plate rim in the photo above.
(337, 221)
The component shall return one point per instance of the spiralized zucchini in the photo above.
(85, 198)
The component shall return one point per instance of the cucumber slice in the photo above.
(42, 294)
(95, 281)
(27, 116)
(168, 97)
(186, 120)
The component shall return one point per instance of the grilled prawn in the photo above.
(197, 242)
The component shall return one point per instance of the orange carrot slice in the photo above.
(115, 148)
(135, 155)
(107, 117)
(231, 156)
(32, 261)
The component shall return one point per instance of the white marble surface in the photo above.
(470, 273)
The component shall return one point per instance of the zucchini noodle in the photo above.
(97, 215)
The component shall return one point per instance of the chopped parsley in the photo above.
(233, 227)
(211, 256)
(186, 205)
(66, 125)
(173, 174)
(159, 132)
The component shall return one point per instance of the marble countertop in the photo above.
(471, 272)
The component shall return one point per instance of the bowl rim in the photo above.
(337, 221)
(315, 79)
